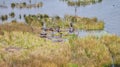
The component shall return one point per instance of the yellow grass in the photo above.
(23, 49)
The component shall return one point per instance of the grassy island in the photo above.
(25, 5)
(82, 23)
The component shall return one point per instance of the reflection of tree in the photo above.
(78, 3)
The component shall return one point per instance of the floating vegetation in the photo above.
(82, 23)
(81, 2)
(12, 14)
(24, 5)
(4, 17)
(78, 3)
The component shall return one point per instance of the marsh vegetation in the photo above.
(51, 41)
(82, 23)
(26, 49)
(25, 5)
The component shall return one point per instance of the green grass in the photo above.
(78, 22)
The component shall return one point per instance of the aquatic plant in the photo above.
(4, 17)
(33, 20)
(12, 14)
(64, 23)
(25, 5)
(13, 5)
(78, 3)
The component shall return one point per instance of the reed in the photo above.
(64, 23)
(23, 49)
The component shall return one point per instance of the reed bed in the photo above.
(24, 49)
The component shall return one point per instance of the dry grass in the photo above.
(23, 49)
(16, 26)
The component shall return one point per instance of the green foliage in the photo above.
(33, 20)
(23, 42)
(72, 65)
(4, 17)
(25, 5)
(78, 22)
(13, 5)
(12, 14)
(81, 2)
(72, 38)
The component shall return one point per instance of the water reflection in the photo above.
(83, 33)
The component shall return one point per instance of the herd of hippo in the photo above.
(44, 33)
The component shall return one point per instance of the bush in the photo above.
(12, 14)
(4, 17)
(13, 5)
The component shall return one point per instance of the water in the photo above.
(108, 11)
(84, 33)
